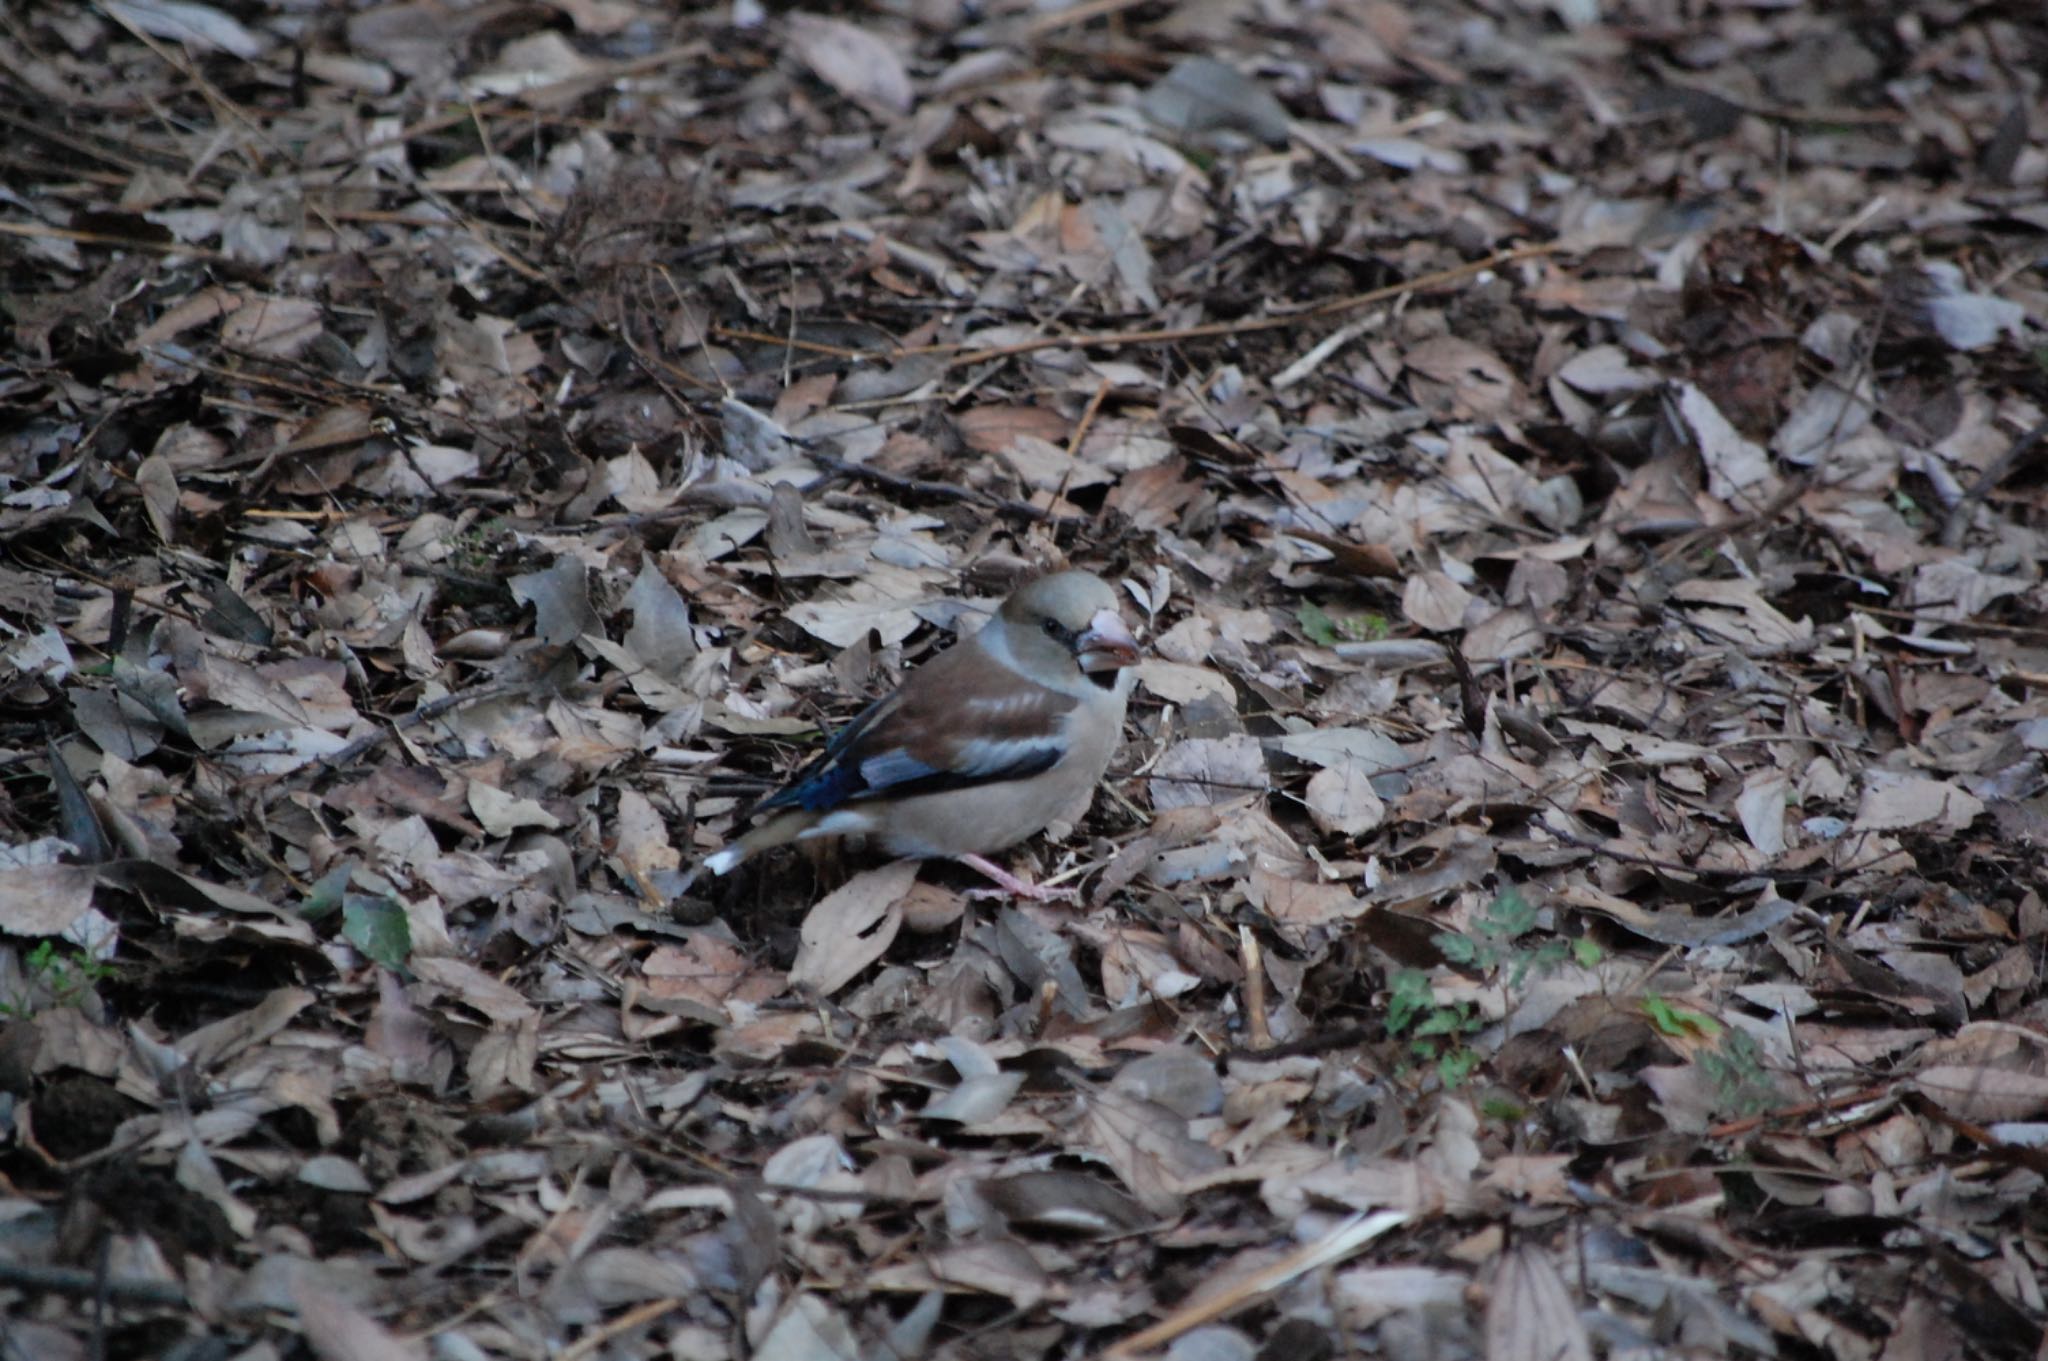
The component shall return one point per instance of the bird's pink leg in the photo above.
(1011, 885)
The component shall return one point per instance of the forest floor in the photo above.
(1572, 882)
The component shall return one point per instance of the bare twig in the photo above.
(1958, 522)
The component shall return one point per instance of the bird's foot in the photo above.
(1010, 886)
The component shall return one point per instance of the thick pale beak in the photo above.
(1107, 645)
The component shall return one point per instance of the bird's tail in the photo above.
(775, 832)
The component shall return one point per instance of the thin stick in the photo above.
(624, 1323)
(1087, 419)
(1260, 1034)
(1342, 1241)
(57, 1280)
(1245, 325)
(1958, 522)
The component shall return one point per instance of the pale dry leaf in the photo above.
(1956, 589)
(1341, 800)
(501, 814)
(560, 596)
(1181, 683)
(635, 483)
(531, 63)
(885, 601)
(1138, 964)
(1046, 466)
(276, 328)
(1475, 381)
(337, 1330)
(851, 927)
(483, 992)
(1004, 1268)
(1605, 370)
(1738, 470)
(1300, 902)
(976, 1100)
(202, 27)
(810, 1330)
(1370, 1295)
(1761, 806)
(754, 441)
(1967, 320)
(1431, 600)
(1127, 252)
(1208, 770)
(1341, 746)
(660, 634)
(43, 900)
(158, 483)
(213, 1044)
(1503, 634)
(1892, 800)
(440, 464)
(641, 834)
(852, 61)
(1149, 1148)
(1409, 153)
(1976, 1093)
(1202, 94)
(993, 427)
(1530, 1315)
(1829, 415)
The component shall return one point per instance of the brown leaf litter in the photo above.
(1572, 883)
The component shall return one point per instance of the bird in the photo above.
(979, 748)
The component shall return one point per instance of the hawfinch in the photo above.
(980, 747)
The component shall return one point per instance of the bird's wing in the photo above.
(953, 725)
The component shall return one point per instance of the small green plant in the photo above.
(375, 925)
(67, 971)
(1328, 631)
(1436, 1031)
(1502, 1110)
(1682, 1023)
(1730, 1059)
(476, 549)
(57, 975)
(1742, 1085)
(1496, 944)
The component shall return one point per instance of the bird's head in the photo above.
(1066, 621)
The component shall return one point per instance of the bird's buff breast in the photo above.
(978, 821)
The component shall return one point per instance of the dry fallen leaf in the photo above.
(850, 927)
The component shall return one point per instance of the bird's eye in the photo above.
(1052, 628)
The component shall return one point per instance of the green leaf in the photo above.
(1319, 627)
(1501, 1109)
(1508, 916)
(328, 892)
(1457, 949)
(1587, 952)
(378, 927)
(1408, 996)
(1676, 1020)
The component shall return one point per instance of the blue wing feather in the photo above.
(874, 756)
(913, 743)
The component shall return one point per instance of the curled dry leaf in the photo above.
(853, 61)
(851, 927)
(1530, 1315)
